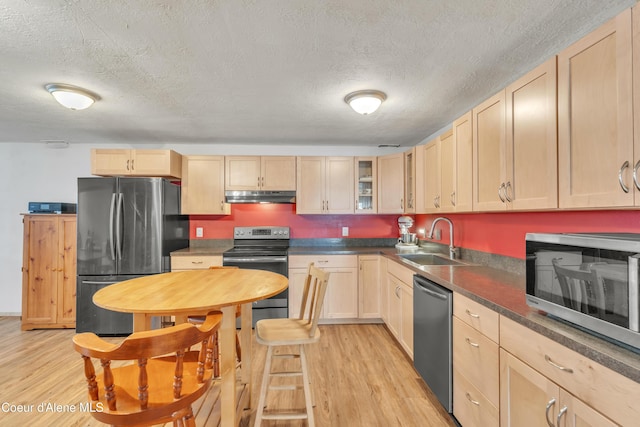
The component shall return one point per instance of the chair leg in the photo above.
(308, 399)
(263, 387)
(216, 354)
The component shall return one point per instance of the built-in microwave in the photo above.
(588, 279)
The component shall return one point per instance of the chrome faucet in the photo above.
(453, 252)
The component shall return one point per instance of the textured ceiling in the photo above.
(270, 71)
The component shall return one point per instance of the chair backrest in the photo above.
(142, 348)
(586, 283)
(315, 287)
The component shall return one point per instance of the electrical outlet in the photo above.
(345, 231)
(199, 231)
(438, 235)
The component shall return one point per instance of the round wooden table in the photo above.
(196, 292)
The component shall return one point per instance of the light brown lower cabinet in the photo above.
(476, 384)
(49, 272)
(399, 303)
(341, 299)
(545, 383)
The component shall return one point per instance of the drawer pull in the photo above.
(472, 344)
(546, 414)
(555, 365)
(470, 399)
(197, 262)
(476, 316)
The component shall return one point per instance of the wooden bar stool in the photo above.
(292, 332)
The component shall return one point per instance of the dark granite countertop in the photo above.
(500, 290)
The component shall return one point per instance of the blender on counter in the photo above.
(407, 240)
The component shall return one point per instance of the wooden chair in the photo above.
(214, 345)
(160, 385)
(293, 332)
(585, 284)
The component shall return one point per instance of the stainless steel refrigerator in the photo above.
(127, 228)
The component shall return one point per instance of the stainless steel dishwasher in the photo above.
(432, 311)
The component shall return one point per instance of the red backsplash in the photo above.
(499, 233)
(302, 226)
(504, 233)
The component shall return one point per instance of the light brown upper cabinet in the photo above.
(270, 173)
(595, 117)
(489, 154)
(391, 184)
(430, 164)
(462, 198)
(325, 185)
(366, 185)
(203, 186)
(124, 162)
(410, 181)
(531, 142)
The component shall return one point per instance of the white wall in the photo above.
(33, 172)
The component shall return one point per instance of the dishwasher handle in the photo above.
(430, 289)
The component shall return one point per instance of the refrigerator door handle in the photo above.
(119, 239)
(111, 235)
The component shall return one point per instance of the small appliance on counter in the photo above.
(52, 207)
(406, 240)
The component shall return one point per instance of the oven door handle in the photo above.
(243, 260)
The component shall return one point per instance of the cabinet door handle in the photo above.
(452, 197)
(128, 164)
(132, 167)
(500, 189)
(470, 399)
(635, 174)
(507, 192)
(560, 414)
(474, 315)
(546, 414)
(555, 365)
(397, 290)
(620, 180)
(401, 203)
(471, 343)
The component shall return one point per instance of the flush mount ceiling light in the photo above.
(72, 97)
(365, 101)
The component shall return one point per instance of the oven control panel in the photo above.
(261, 232)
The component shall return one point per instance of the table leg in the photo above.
(141, 322)
(245, 343)
(228, 368)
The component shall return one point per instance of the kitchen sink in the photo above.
(430, 259)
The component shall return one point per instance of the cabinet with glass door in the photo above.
(366, 185)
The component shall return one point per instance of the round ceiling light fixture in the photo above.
(72, 97)
(365, 101)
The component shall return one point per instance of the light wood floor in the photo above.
(360, 377)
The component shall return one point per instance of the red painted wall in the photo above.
(499, 233)
(504, 233)
(302, 226)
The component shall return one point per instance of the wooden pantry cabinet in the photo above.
(543, 382)
(49, 272)
(203, 186)
(595, 117)
(476, 366)
(124, 162)
(266, 173)
(341, 298)
(325, 185)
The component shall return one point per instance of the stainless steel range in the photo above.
(262, 248)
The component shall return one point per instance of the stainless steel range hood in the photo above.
(260, 196)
